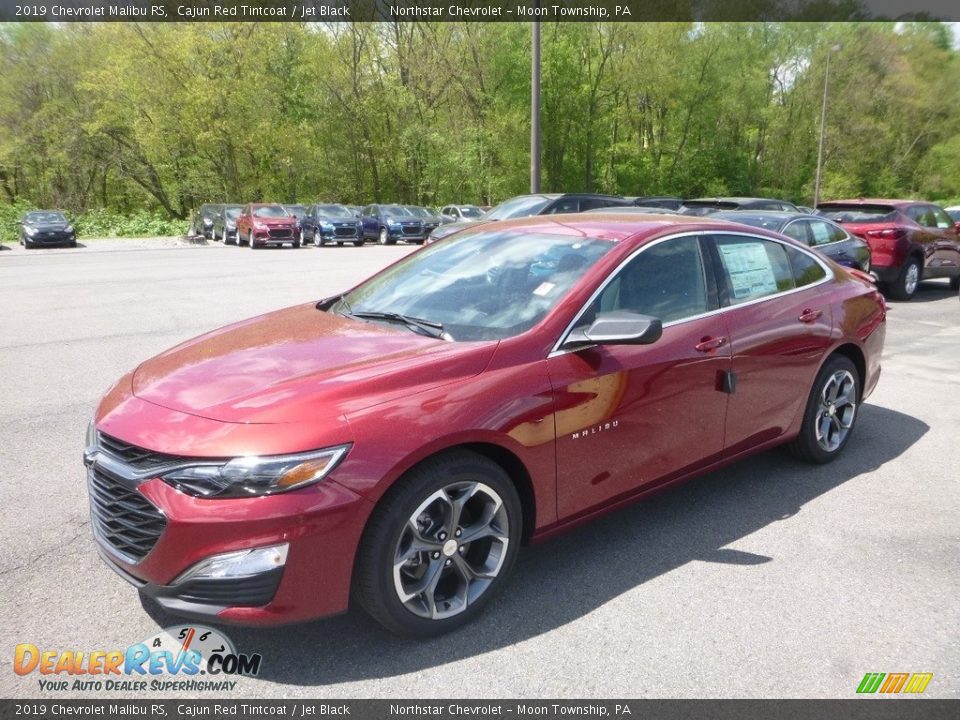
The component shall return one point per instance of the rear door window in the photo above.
(805, 269)
(941, 218)
(753, 268)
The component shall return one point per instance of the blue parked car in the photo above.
(817, 232)
(388, 223)
(333, 223)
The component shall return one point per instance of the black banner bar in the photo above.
(853, 709)
(473, 10)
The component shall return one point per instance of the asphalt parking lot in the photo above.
(768, 579)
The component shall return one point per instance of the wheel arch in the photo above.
(855, 354)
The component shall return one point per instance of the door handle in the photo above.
(707, 344)
(809, 316)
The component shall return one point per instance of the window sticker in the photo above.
(751, 274)
(544, 289)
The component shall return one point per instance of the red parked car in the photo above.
(910, 241)
(402, 440)
(263, 224)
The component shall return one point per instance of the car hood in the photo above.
(47, 227)
(299, 364)
(275, 220)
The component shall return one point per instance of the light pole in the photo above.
(535, 111)
(823, 125)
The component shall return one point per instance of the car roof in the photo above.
(614, 226)
(772, 214)
(876, 201)
(734, 199)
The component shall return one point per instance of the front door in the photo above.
(630, 416)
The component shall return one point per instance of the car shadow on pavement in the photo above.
(930, 291)
(559, 581)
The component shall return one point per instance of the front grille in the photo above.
(345, 230)
(412, 228)
(122, 517)
(281, 232)
(136, 457)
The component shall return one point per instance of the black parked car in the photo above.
(817, 232)
(46, 227)
(225, 223)
(330, 223)
(431, 218)
(668, 202)
(540, 204)
(708, 206)
(388, 223)
(202, 221)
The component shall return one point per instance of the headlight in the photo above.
(68, 229)
(251, 476)
(325, 225)
(30, 230)
(207, 221)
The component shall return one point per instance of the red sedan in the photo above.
(401, 441)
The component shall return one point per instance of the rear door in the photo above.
(630, 416)
(779, 325)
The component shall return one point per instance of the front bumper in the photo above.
(51, 238)
(321, 524)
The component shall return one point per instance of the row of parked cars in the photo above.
(899, 242)
(262, 224)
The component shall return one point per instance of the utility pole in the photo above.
(535, 111)
(823, 126)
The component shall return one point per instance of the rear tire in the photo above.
(439, 545)
(358, 243)
(831, 412)
(905, 286)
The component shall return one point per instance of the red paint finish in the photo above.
(583, 431)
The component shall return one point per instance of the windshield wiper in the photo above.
(428, 327)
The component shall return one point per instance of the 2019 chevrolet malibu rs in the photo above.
(399, 442)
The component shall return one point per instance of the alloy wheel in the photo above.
(837, 410)
(451, 549)
(912, 278)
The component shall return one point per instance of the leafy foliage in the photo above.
(147, 121)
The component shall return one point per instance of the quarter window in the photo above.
(754, 268)
(806, 270)
(799, 230)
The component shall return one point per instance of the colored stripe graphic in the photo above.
(894, 683)
(870, 682)
(918, 682)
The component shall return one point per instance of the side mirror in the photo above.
(618, 327)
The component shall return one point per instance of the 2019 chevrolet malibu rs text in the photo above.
(401, 441)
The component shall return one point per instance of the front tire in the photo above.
(384, 237)
(831, 412)
(439, 545)
(905, 286)
(250, 240)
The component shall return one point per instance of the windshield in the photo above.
(483, 286)
(470, 211)
(297, 210)
(45, 217)
(419, 211)
(233, 212)
(398, 211)
(954, 214)
(333, 210)
(524, 206)
(857, 213)
(270, 211)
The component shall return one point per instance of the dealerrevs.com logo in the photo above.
(183, 657)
